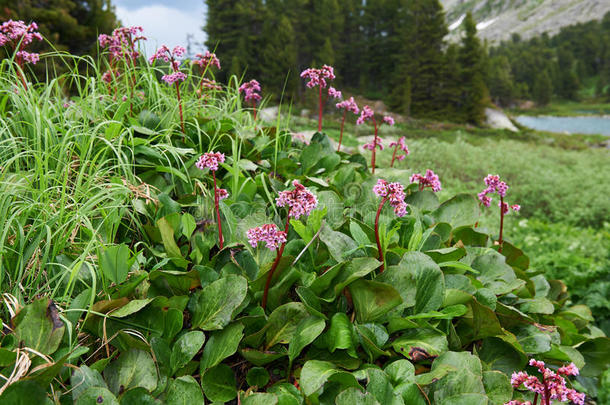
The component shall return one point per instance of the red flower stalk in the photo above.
(346, 105)
(395, 194)
(299, 201)
(177, 76)
(399, 145)
(205, 61)
(18, 35)
(211, 160)
(367, 114)
(251, 92)
(494, 185)
(318, 77)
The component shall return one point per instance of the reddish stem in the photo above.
(535, 398)
(320, 110)
(180, 107)
(501, 223)
(217, 210)
(377, 233)
(374, 146)
(341, 135)
(394, 155)
(254, 106)
(274, 266)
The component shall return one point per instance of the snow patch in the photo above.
(484, 24)
(457, 23)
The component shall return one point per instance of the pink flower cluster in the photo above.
(553, 384)
(222, 194)
(167, 55)
(251, 90)
(210, 84)
(174, 77)
(121, 44)
(494, 185)
(429, 180)
(349, 105)
(376, 142)
(268, 233)
(318, 77)
(366, 114)
(17, 33)
(402, 146)
(334, 93)
(210, 160)
(394, 193)
(206, 60)
(300, 200)
(388, 120)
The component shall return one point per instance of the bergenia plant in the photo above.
(393, 193)
(552, 386)
(210, 161)
(346, 105)
(176, 76)
(251, 92)
(18, 35)
(320, 78)
(299, 202)
(494, 185)
(429, 180)
(402, 146)
(206, 61)
(367, 114)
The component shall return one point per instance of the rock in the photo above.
(269, 113)
(498, 120)
(305, 113)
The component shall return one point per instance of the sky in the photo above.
(165, 22)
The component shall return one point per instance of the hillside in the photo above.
(499, 19)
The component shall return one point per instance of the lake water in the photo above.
(572, 125)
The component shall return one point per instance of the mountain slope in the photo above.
(499, 19)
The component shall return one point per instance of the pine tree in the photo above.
(451, 84)
(501, 81)
(543, 89)
(567, 80)
(474, 91)
(279, 56)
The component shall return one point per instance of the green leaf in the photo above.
(307, 331)
(185, 348)
(213, 308)
(315, 373)
(96, 395)
(495, 274)
(497, 387)
(340, 334)
(257, 376)
(171, 248)
(38, 326)
(537, 306)
(428, 279)
(595, 352)
(533, 339)
(283, 323)
(465, 386)
(463, 209)
(220, 345)
(130, 308)
(114, 263)
(134, 368)
(219, 383)
(259, 398)
(138, 396)
(339, 244)
(373, 299)
(353, 396)
(26, 392)
(260, 358)
(502, 356)
(188, 224)
(400, 372)
(330, 284)
(373, 337)
(84, 378)
(380, 387)
(184, 391)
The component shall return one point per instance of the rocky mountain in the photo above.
(499, 19)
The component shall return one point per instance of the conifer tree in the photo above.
(474, 91)
(543, 89)
(279, 56)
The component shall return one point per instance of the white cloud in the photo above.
(164, 25)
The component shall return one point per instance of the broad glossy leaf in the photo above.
(502, 356)
(463, 209)
(114, 263)
(213, 308)
(134, 368)
(138, 396)
(92, 396)
(373, 299)
(497, 387)
(83, 378)
(283, 323)
(184, 391)
(38, 326)
(533, 339)
(26, 392)
(341, 334)
(429, 281)
(315, 373)
(400, 372)
(380, 387)
(495, 274)
(171, 248)
(259, 398)
(463, 386)
(307, 331)
(130, 308)
(340, 246)
(221, 344)
(260, 358)
(353, 396)
(595, 352)
(185, 348)
(219, 383)
(257, 376)
(417, 342)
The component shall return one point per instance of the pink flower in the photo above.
(349, 105)
(334, 93)
(206, 60)
(376, 142)
(18, 34)
(365, 115)
(221, 193)
(318, 77)
(162, 53)
(210, 84)
(300, 137)
(402, 146)
(251, 90)
(300, 200)
(174, 77)
(394, 193)
(210, 160)
(122, 42)
(515, 402)
(109, 75)
(268, 233)
(388, 120)
(429, 180)
(29, 57)
(570, 369)
(494, 185)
